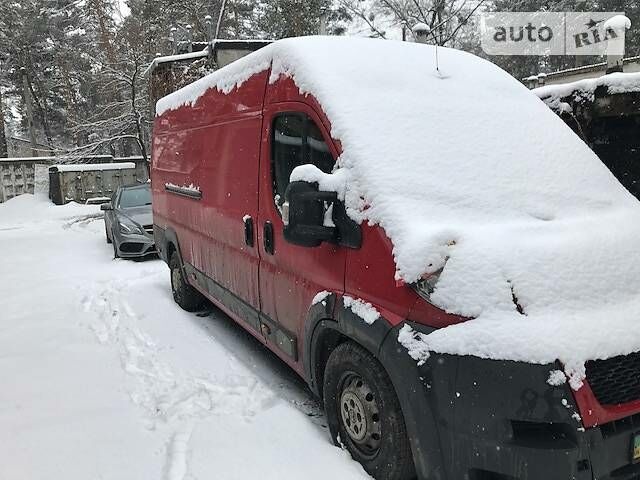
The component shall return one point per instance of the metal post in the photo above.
(174, 40)
(208, 21)
(616, 28)
(189, 38)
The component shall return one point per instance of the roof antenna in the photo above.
(422, 32)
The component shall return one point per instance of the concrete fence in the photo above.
(31, 174)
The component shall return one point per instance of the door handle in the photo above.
(248, 230)
(268, 238)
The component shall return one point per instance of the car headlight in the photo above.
(130, 227)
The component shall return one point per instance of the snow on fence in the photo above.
(31, 174)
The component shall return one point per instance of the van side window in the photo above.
(296, 140)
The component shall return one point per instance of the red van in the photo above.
(333, 196)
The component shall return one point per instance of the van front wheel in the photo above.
(364, 414)
(187, 297)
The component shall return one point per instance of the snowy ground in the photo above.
(104, 377)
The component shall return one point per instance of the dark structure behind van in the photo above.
(170, 73)
(607, 120)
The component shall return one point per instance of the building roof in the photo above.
(594, 67)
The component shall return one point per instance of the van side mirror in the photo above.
(303, 215)
(106, 207)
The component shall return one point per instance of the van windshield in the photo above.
(135, 197)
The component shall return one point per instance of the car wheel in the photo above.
(364, 414)
(106, 233)
(184, 294)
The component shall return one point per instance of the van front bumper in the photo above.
(477, 419)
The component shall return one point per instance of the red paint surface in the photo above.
(594, 414)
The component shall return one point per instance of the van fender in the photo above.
(163, 240)
(330, 318)
(328, 323)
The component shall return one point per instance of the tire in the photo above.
(184, 294)
(115, 250)
(106, 234)
(364, 414)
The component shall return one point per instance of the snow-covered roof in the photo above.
(470, 174)
(91, 167)
(615, 82)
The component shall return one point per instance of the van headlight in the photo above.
(426, 285)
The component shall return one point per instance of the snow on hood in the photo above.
(468, 172)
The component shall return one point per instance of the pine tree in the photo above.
(291, 18)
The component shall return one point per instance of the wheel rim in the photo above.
(175, 279)
(360, 414)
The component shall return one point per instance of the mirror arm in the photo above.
(349, 233)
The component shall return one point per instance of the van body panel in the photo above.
(374, 260)
(212, 229)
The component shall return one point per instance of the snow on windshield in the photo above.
(468, 172)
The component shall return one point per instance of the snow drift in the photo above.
(470, 174)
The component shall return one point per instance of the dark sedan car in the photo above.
(128, 221)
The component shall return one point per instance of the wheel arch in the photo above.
(328, 325)
(167, 243)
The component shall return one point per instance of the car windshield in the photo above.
(135, 197)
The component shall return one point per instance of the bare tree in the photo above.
(117, 123)
(445, 18)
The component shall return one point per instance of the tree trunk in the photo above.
(26, 90)
(4, 152)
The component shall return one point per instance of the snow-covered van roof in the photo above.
(470, 174)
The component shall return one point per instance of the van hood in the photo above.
(468, 172)
(565, 291)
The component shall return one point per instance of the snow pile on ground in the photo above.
(104, 377)
(470, 174)
(31, 209)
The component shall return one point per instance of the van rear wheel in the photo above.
(364, 414)
(184, 294)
